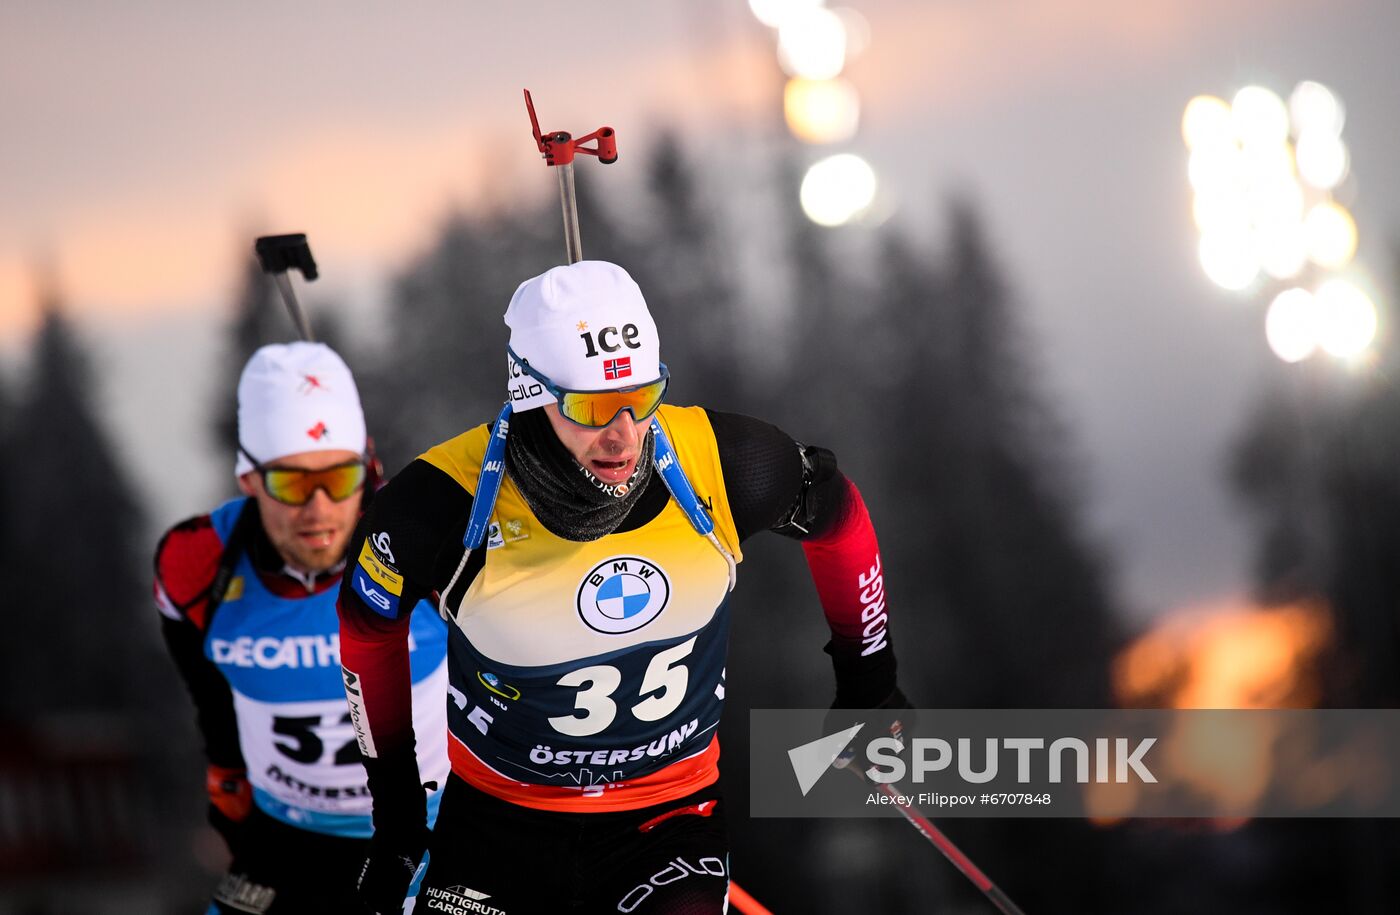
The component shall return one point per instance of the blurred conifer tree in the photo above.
(79, 634)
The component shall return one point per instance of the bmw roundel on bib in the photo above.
(622, 594)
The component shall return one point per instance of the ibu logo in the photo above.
(623, 594)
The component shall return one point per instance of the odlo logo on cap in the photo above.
(622, 594)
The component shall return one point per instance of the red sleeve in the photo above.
(378, 684)
(187, 560)
(845, 564)
(186, 563)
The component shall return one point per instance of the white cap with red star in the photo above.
(297, 397)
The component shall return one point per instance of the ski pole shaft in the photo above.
(573, 242)
(950, 851)
(289, 298)
(743, 903)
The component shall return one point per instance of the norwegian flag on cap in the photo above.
(617, 368)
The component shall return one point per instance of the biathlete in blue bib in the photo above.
(247, 599)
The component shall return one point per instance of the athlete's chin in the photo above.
(318, 556)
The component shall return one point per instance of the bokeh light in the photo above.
(1346, 318)
(773, 13)
(1316, 109)
(1259, 117)
(1283, 250)
(1229, 259)
(1214, 168)
(821, 111)
(1275, 201)
(857, 31)
(1290, 325)
(1264, 205)
(812, 44)
(1267, 162)
(1206, 122)
(1323, 160)
(1331, 235)
(1225, 210)
(838, 189)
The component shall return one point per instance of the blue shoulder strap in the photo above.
(664, 459)
(488, 482)
(493, 468)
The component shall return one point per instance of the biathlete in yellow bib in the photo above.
(582, 548)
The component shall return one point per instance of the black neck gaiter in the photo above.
(567, 498)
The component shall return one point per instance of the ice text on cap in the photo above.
(629, 334)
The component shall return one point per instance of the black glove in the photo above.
(400, 830)
(388, 870)
(892, 717)
(866, 693)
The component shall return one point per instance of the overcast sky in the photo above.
(144, 143)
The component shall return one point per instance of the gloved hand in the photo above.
(892, 717)
(400, 829)
(389, 868)
(230, 802)
(866, 693)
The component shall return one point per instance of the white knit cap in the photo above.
(585, 327)
(295, 397)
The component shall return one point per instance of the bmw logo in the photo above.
(622, 594)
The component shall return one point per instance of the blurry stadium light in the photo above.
(773, 13)
(857, 31)
(838, 189)
(1283, 250)
(1267, 162)
(812, 44)
(1223, 210)
(1330, 233)
(1206, 122)
(1259, 117)
(1264, 204)
(1290, 325)
(1322, 159)
(1346, 318)
(1316, 109)
(821, 111)
(1275, 202)
(1229, 259)
(1214, 167)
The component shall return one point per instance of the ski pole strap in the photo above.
(664, 459)
(493, 468)
(241, 532)
(493, 471)
(488, 486)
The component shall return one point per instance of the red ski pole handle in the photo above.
(606, 148)
(558, 147)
